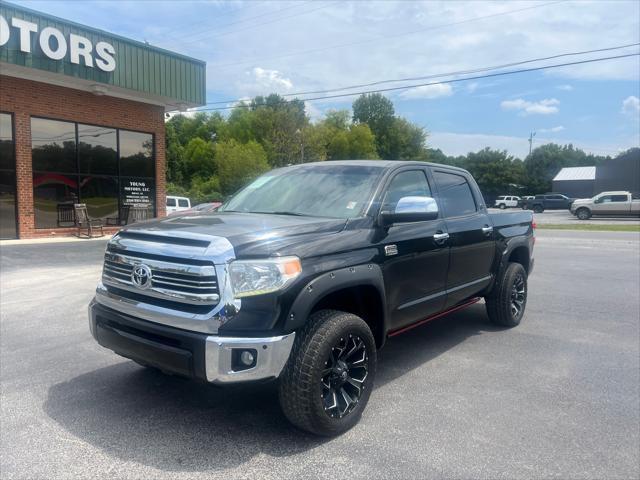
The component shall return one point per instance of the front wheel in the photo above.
(328, 379)
(507, 301)
(583, 214)
(538, 209)
(502, 206)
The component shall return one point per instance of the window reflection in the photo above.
(53, 197)
(136, 154)
(54, 146)
(101, 196)
(97, 150)
(7, 178)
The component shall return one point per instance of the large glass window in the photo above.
(76, 163)
(98, 150)
(455, 194)
(54, 146)
(136, 154)
(53, 197)
(7, 178)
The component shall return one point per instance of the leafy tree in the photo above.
(361, 143)
(198, 158)
(495, 171)
(238, 163)
(377, 111)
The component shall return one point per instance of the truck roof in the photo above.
(379, 163)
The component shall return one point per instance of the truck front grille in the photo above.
(182, 281)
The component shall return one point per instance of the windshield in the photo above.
(335, 191)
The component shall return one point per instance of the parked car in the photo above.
(177, 204)
(206, 207)
(607, 203)
(507, 201)
(549, 201)
(304, 273)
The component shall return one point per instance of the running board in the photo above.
(433, 317)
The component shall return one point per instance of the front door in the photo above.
(415, 264)
(471, 238)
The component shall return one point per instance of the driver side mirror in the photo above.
(410, 209)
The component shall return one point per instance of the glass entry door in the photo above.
(7, 178)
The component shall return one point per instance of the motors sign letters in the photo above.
(55, 45)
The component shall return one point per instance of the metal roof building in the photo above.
(82, 121)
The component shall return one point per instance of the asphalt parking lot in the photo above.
(457, 398)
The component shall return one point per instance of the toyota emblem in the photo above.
(141, 276)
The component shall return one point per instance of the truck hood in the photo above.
(582, 201)
(250, 234)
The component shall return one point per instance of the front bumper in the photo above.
(210, 358)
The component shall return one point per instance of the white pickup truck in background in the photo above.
(607, 204)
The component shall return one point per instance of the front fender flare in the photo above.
(333, 281)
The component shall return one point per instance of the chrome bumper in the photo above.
(189, 353)
(272, 355)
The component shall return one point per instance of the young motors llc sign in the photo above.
(57, 46)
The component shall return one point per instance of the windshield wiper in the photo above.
(295, 214)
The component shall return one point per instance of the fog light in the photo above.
(247, 358)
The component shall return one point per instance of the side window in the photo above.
(618, 198)
(183, 202)
(411, 183)
(171, 202)
(605, 199)
(455, 194)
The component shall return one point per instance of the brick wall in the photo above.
(25, 98)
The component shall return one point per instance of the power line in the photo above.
(254, 26)
(385, 37)
(455, 80)
(439, 75)
(244, 20)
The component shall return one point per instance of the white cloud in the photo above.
(566, 87)
(548, 106)
(313, 111)
(631, 106)
(429, 91)
(557, 129)
(271, 79)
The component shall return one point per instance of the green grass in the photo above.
(590, 227)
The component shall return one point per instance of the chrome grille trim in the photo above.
(171, 280)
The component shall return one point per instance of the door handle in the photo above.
(440, 237)
(487, 230)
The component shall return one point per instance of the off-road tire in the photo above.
(499, 301)
(300, 388)
(583, 213)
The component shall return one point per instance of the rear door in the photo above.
(471, 238)
(415, 264)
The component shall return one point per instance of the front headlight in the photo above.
(256, 277)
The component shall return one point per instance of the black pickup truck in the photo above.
(304, 274)
(548, 201)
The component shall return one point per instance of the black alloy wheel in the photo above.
(344, 376)
(328, 379)
(518, 296)
(508, 299)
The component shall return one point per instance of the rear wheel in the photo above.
(538, 209)
(583, 214)
(502, 206)
(507, 301)
(327, 381)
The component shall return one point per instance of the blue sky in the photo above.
(254, 47)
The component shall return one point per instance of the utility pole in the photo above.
(531, 135)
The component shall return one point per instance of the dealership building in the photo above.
(82, 116)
